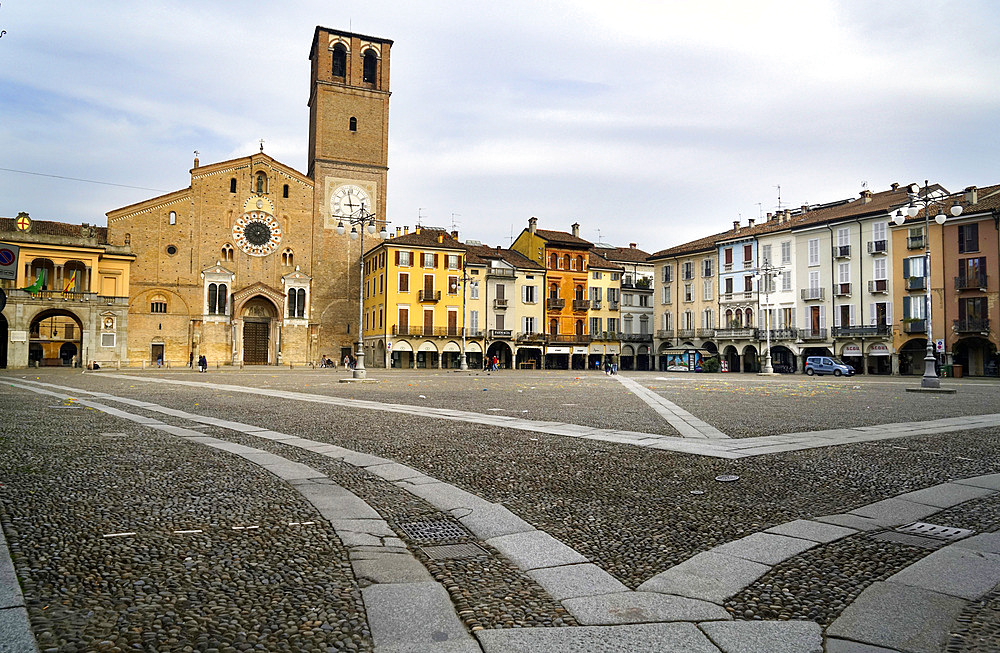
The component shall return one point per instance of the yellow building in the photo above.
(604, 314)
(413, 306)
(68, 302)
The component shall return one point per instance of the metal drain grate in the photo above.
(434, 530)
(448, 551)
(945, 533)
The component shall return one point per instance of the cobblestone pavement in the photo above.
(634, 512)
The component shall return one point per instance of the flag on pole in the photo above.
(71, 284)
(39, 282)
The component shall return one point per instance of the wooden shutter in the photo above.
(435, 259)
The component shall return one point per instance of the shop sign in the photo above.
(557, 350)
(851, 350)
(878, 350)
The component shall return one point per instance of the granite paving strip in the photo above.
(686, 424)
(765, 636)
(15, 627)
(660, 637)
(716, 446)
(402, 592)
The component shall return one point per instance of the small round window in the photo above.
(171, 249)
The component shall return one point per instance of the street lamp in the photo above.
(360, 221)
(463, 363)
(767, 274)
(930, 378)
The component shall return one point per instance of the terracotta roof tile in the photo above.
(49, 228)
(563, 238)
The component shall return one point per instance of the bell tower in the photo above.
(348, 123)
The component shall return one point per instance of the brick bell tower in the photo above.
(348, 163)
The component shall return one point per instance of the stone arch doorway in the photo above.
(54, 334)
(259, 341)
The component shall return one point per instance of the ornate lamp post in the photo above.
(930, 378)
(767, 274)
(360, 221)
(463, 363)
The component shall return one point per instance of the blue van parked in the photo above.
(827, 365)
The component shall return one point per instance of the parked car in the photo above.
(827, 365)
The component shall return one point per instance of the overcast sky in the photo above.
(647, 122)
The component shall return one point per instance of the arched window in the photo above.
(261, 183)
(554, 327)
(729, 319)
(217, 296)
(227, 252)
(749, 318)
(554, 291)
(339, 60)
(287, 257)
(44, 268)
(579, 263)
(232, 185)
(579, 327)
(353, 124)
(284, 191)
(296, 302)
(158, 304)
(553, 260)
(370, 67)
(566, 260)
(173, 217)
(579, 292)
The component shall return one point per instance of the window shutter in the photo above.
(906, 268)
(871, 313)
(822, 317)
(836, 317)
(906, 307)
(435, 259)
(853, 317)
(888, 312)
(397, 258)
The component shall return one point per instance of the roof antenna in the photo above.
(779, 196)
(420, 217)
(760, 211)
(598, 234)
(511, 235)
(454, 223)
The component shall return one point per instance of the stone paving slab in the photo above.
(10, 590)
(375, 527)
(288, 470)
(335, 502)
(850, 521)
(571, 581)
(661, 638)
(765, 548)
(641, 607)
(708, 576)
(393, 471)
(535, 549)
(363, 459)
(813, 531)
(876, 614)
(390, 568)
(984, 543)
(844, 646)
(946, 495)
(990, 481)
(415, 618)
(490, 521)
(894, 512)
(953, 571)
(447, 497)
(272, 435)
(765, 636)
(15, 632)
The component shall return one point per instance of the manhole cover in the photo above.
(697, 492)
(447, 551)
(727, 478)
(946, 533)
(433, 530)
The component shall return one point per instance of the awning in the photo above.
(850, 350)
(473, 347)
(557, 350)
(579, 350)
(400, 345)
(427, 346)
(452, 346)
(879, 349)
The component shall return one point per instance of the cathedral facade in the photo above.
(245, 266)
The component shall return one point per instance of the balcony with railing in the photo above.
(636, 337)
(595, 305)
(862, 331)
(878, 286)
(499, 304)
(842, 251)
(971, 282)
(74, 297)
(556, 304)
(842, 290)
(686, 333)
(434, 332)
(665, 334)
(812, 334)
(747, 265)
(500, 272)
(613, 304)
(790, 333)
(532, 337)
(500, 334)
(741, 333)
(581, 304)
(429, 296)
(705, 334)
(914, 326)
(914, 242)
(973, 325)
(570, 338)
(813, 294)
(916, 283)
(878, 247)
(727, 267)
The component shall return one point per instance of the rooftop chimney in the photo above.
(532, 224)
(770, 216)
(805, 208)
(406, 230)
(894, 186)
(576, 229)
(454, 234)
(416, 229)
(196, 163)
(750, 222)
(498, 249)
(788, 215)
(866, 196)
(398, 229)
(972, 195)
(736, 225)
(441, 237)
(631, 245)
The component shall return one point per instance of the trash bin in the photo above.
(957, 370)
(946, 371)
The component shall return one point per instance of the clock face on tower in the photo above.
(257, 233)
(347, 199)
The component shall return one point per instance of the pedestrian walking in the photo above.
(202, 363)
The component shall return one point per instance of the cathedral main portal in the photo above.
(258, 320)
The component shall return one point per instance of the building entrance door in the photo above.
(255, 336)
